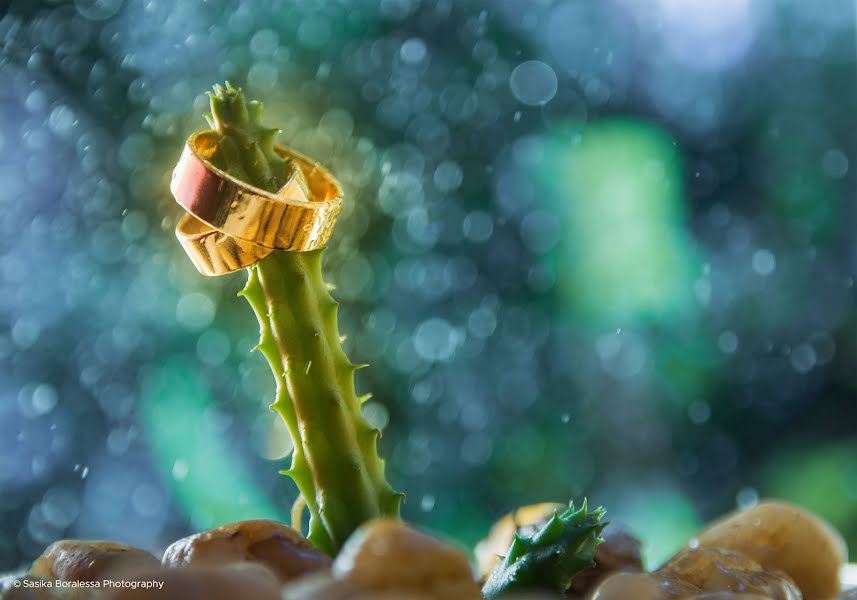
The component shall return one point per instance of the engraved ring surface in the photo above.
(214, 253)
(232, 224)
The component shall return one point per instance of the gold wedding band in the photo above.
(231, 224)
(215, 253)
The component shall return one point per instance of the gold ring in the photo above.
(232, 224)
(213, 252)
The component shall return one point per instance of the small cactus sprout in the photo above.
(335, 462)
(550, 557)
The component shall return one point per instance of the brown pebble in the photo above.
(786, 537)
(637, 586)
(279, 547)
(89, 560)
(388, 557)
(729, 596)
(619, 552)
(717, 570)
(322, 587)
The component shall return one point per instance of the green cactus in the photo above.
(245, 148)
(335, 462)
(550, 557)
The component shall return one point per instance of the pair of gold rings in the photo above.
(230, 224)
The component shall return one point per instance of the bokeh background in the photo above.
(600, 248)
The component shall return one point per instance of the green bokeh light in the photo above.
(616, 186)
(208, 480)
(822, 479)
(662, 517)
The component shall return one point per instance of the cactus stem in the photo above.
(335, 466)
